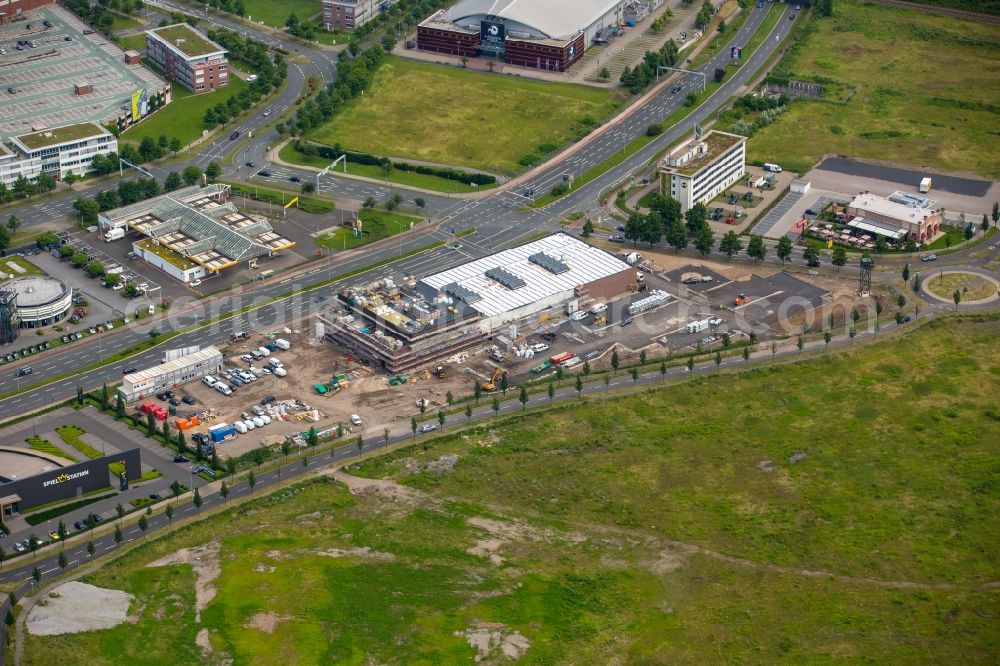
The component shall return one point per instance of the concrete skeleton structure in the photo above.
(188, 57)
(701, 168)
(187, 368)
(893, 219)
(57, 152)
(195, 231)
(351, 14)
(401, 327)
(548, 35)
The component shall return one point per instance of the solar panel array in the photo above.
(551, 264)
(458, 291)
(506, 278)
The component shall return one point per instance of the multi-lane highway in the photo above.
(497, 218)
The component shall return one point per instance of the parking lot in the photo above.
(43, 76)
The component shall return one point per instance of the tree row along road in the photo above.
(75, 550)
(496, 219)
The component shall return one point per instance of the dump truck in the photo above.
(321, 389)
(541, 367)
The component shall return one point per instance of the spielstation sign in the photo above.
(63, 478)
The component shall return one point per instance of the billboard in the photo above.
(140, 104)
(492, 37)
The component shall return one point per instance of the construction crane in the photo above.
(492, 384)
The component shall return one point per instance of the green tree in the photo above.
(36, 573)
(477, 391)
(588, 229)
(213, 171)
(696, 217)
(143, 524)
(917, 281)
(784, 249)
(224, 491)
(635, 374)
(906, 272)
(523, 397)
(442, 417)
(191, 174)
(614, 360)
(800, 343)
(468, 413)
(730, 244)
(251, 481)
(756, 248)
(504, 384)
(150, 423)
(551, 391)
(704, 241)
(118, 534)
(14, 224)
(176, 488)
(690, 364)
(677, 236)
(312, 439)
(496, 406)
(811, 254)
(61, 530)
(90, 548)
(196, 499)
(169, 513)
(579, 386)
(413, 425)
(839, 257)
(957, 297)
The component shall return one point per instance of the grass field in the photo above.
(134, 43)
(274, 14)
(119, 22)
(8, 264)
(927, 93)
(456, 116)
(972, 286)
(377, 225)
(70, 434)
(289, 154)
(640, 530)
(184, 117)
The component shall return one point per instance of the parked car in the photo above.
(181, 459)
(188, 400)
(155, 496)
(267, 400)
(175, 402)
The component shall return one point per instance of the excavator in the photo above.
(491, 385)
(440, 372)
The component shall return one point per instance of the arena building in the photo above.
(402, 327)
(548, 35)
(36, 301)
(30, 478)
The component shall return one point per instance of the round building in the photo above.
(40, 300)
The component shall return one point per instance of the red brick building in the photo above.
(188, 57)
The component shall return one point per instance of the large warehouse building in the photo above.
(548, 35)
(401, 327)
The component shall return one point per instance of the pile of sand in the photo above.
(75, 607)
(487, 637)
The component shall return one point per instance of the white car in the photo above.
(539, 347)
(119, 286)
(355, 420)
(247, 357)
(428, 427)
(195, 283)
(144, 286)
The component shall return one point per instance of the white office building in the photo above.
(144, 383)
(57, 152)
(701, 168)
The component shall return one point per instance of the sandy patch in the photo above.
(364, 553)
(488, 637)
(501, 532)
(263, 568)
(383, 487)
(202, 641)
(668, 561)
(75, 607)
(266, 622)
(205, 561)
(275, 554)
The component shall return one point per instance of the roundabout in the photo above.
(976, 288)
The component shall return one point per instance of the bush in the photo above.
(654, 130)
(560, 189)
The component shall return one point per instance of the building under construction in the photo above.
(402, 326)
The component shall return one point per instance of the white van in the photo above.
(265, 418)
(598, 308)
(279, 372)
(239, 427)
(355, 420)
(248, 424)
(774, 168)
(151, 310)
(251, 78)
(275, 362)
(539, 347)
(223, 389)
(579, 315)
(209, 380)
(263, 351)
(281, 343)
(258, 422)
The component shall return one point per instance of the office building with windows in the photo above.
(351, 14)
(57, 152)
(701, 168)
(188, 57)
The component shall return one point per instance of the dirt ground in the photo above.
(76, 607)
(205, 562)
(309, 362)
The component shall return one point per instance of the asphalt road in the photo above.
(497, 219)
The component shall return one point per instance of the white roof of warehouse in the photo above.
(206, 354)
(882, 206)
(586, 264)
(559, 19)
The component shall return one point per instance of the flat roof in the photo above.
(585, 263)
(681, 161)
(186, 40)
(881, 206)
(57, 135)
(186, 361)
(37, 290)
